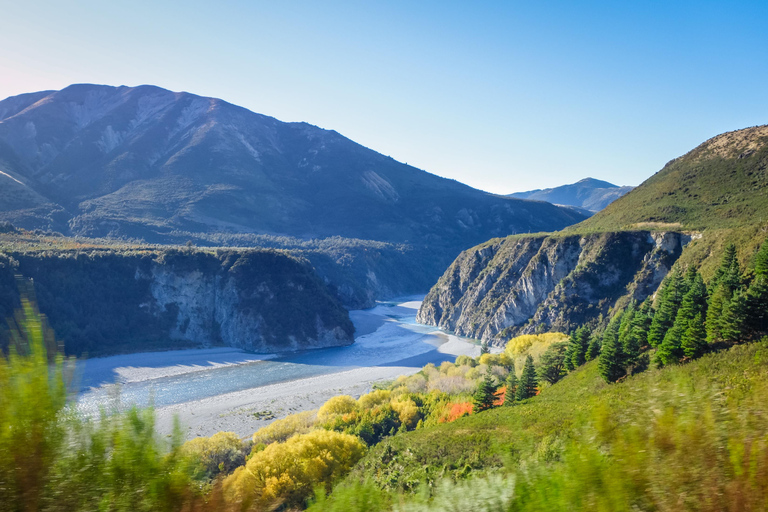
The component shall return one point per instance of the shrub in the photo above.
(280, 430)
(336, 406)
(286, 473)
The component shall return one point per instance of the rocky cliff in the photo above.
(106, 301)
(527, 284)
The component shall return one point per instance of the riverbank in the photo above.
(224, 389)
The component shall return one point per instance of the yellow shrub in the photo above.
(280, 430)
(336, 406)
(374, 398)
(222, 452)
(534, 344)
(407, 411)
(286, 473)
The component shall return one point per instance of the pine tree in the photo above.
(511, 383)
(695, 300)
(732, 321)
(694, 340)
(526, 388)
(576, 352)
(552, 363)
(625, 325)
(484, 398)
(670, 298)
(694, 304)
(729, 266)
(761, 261)
(593, 350)
(757, 304)
(757, 294)
(717, 302)
(611, 362)
(670, 350)
(641, 323)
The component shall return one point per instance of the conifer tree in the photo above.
(552, 363)
(576, 352)
(625, 324)
(511, 383)
(484, 398)
(757, 294)
(526, 388)
(717, 301)
(593, 350)
(733, 318)
(729, 267)
(670, 298)
(670, 351)
(641, 323)
(757, 304)
(761, 261)
(694, 304)
(611, 362)
(694, 339)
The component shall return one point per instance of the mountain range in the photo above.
(589, 194)
(145, 162)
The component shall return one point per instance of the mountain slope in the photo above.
(144, 162)
(589, 193)
(689, 211)
(720, 184)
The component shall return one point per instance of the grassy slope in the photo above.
(719, 184)
(701, 425)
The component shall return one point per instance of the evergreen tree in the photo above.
(694, 340)
(733, 319)
(484, 398)
(526, 388)
(670, 351)
(611, 362)
(695, 299)
(670, 298)
(625, 324)
(757, 304)
(578, 344)
(593, 350)
(761, 261)
(641, 323)
(757, 294)
(511, 383)
(718, 300)
(693, 305)
(552, 363)
(729, 266)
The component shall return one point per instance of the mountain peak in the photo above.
(589, 194)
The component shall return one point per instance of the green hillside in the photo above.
(689, 437)
(720, 184)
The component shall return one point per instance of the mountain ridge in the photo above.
(589, 194)
(100, 152)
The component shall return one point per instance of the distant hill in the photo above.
(144, 162)
(590, 194)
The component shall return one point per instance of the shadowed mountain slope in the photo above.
(144, 162)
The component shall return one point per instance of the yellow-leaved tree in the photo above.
(286, 473)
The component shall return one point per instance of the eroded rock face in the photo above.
(250, 300)
(110, 301)
(521, 285)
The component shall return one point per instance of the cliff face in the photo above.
(527, 284)
(100, 303)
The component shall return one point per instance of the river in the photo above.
(228, 389)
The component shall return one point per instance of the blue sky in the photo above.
(503, 96)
